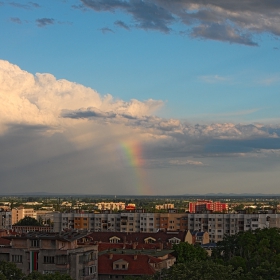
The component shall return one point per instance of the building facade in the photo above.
(5, 219)
(215, 224)
(49, 253)
(207, 205)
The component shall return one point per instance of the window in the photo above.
(35, 243)
(48, 259)
(91, 269)
(61, 259)
(17, 258)
(82, 272)
(92, 256)
(49, 271)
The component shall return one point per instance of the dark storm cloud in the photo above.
(79, 7)
(88, 113)
(16, 20)
(105, 30)
(35, 5)
(179, 139)
(231, 21)
(242, 146)
(25, 6)
(121, 24)
(146, 14)
(42, 22)
(94, 113)
(222, 33)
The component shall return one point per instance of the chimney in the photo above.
(135, 257)
(161, 245)
(110, 256)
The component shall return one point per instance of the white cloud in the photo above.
(86, 119)
(39, 100)
(186, 162)
(212, 79)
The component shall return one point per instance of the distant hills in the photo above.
(43, 194)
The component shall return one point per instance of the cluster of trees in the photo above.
(250, 255)
(9, 271)
(28, 221)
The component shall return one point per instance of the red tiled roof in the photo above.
(142, 246)
(139, 266)
(137, 236)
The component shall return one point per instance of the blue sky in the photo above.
(193, 85)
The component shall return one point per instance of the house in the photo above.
(197, 237)
(121, 263)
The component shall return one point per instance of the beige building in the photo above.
(110, 205)
(21, 212)
(165, 206)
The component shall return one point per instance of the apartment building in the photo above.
(164, 206)
(110, 205)
(207, 205)
(21, 212)
(5, 219)
(217, 225)
(49, 253)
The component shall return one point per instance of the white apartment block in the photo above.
(217, 225)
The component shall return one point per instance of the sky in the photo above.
(139, 97)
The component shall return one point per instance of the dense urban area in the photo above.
(130, 237)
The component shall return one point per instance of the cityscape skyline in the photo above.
(139, 97)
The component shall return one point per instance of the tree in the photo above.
(203, 269)
(27, 221)
(35, 275)
(186, 252)
(256, 252)
(9, 271)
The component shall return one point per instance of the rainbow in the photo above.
(132, 152)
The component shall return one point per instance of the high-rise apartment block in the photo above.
(215, 224)
(207, 205)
